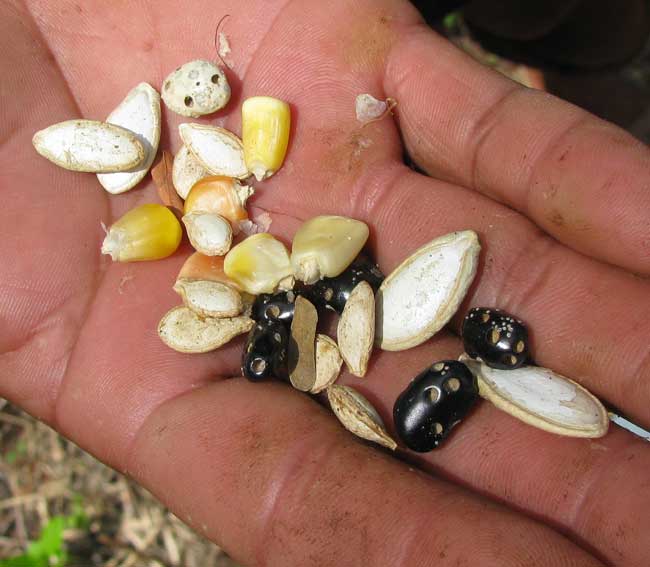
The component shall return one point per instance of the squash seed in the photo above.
(184, 331)
(216, 149)
(356, 329)
(90, 146)
(139, 113)
(422, 294)
(328, 363)
(358, 416)
(541, 398)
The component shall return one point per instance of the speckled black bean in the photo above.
(265, 352)
(496, 337)
(433, 404)
(333, 293)
(277, 307)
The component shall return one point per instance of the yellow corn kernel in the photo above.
(219, 195)
(265, 134)
(259, 264)
(148, 232)
(324, 246)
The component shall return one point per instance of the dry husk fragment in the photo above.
(358, 416)
(302, 345)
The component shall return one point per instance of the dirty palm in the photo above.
(79, 344)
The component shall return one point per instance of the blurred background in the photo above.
(61, 507)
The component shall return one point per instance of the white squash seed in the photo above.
(196, 88)
(184, 331)
(216, 149)
(209, 298)
(541, 398)
(356, 329)
(358, 416)
(186, 171)
(139, 113)
(422, 294)
(90, 146)
(328, 363)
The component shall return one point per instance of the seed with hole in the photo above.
(433, 403)
(276, 307)
(196, 88)
(501, 341)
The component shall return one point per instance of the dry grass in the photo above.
(43, 475)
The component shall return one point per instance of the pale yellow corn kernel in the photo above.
(266, 122)
(324, 246)
(148, 232)
(259, 264)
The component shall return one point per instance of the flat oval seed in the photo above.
(302, 346)
(186, 171)
(423, 292)
(358, 416)
(356, 329)
(184, 331)
(196, 88)
(209, 298)
(328, 363)
(540, 397)
(216, 149)
(90, 146)
(139, 112)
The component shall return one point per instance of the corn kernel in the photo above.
(208, 268)
(324, 246)
(148, 232)
(259, 264)
(223, 196)
(265, 134)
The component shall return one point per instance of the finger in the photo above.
(582, 180)
(592, 490)
(49, 220)
(266, 473)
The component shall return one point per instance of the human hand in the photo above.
(263, 469)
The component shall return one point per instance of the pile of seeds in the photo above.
(278, 296)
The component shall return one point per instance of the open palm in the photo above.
(561, 202)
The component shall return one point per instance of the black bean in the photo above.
(496, 337)
(434, 402)
(265, 353)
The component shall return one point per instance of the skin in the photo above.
(560, 201)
